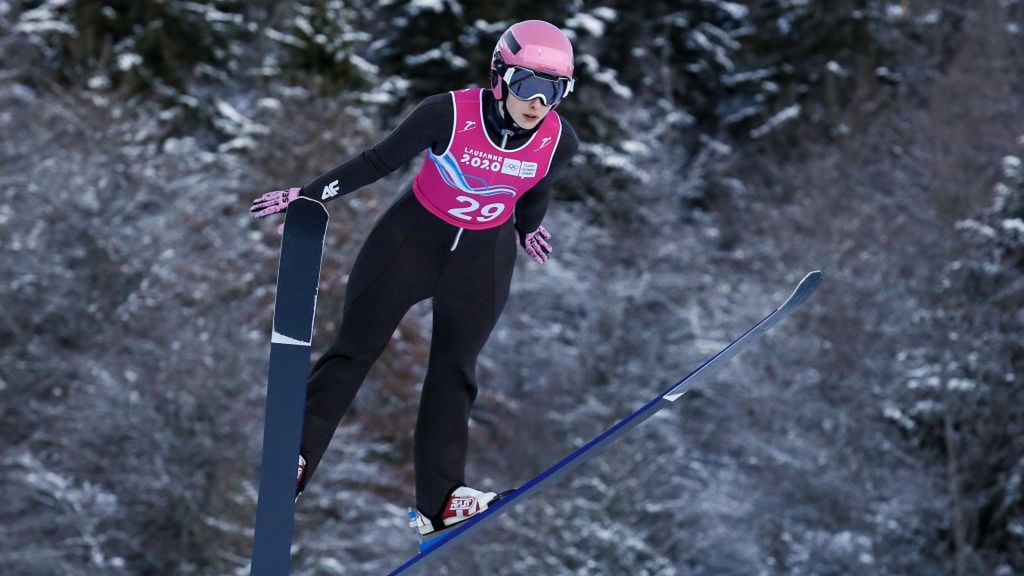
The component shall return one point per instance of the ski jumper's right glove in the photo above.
(535, 244)
(273, 202)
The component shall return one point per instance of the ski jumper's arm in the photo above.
(429, 125)
(533, 205)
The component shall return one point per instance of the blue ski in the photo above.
(450, 538)
(298, 277)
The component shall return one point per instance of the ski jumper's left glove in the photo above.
(273, 202)
(535, 244)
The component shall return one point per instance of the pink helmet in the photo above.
(533, 44)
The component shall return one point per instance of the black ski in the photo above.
(450, 538)
(297, 280)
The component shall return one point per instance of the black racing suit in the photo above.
(408, 258)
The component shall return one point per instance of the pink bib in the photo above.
(475, 184)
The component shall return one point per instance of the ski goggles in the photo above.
(526, 84)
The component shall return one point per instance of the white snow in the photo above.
(98, 82)
(605, 76)
(748, 76)
(489, 27)
(304, 26)
(229, 112)
(1017, 528)
(636, 147)
(212, 14)
(442, 53)
(363, 66)
(836, 68)
(608, 156)
(932, 17)
(976, 227)
(45, 18)
(44, 26)
(416, 7)
(236, 124)
(927, 407)
(895, 11)
(269, 103)
(962, 384)
(283, 38)
(701, 41)
(593, 25)
(896, 415)
(389, 90)
(723, 38)
(741, 114)
(886, 73)
(784, 26)
(1012, 167)
(735, 10)
(784, 116)
(417, 59)
(126, 62)
(1013, 225)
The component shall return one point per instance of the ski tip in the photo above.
(804, 289)
(812, 276)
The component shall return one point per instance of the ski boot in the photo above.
(298, 477)
(463, 504)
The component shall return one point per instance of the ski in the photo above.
(449, 539)
(298, 277)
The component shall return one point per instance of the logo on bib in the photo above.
(511, 167)
(469, 126)
(543, 143)
(519, 168)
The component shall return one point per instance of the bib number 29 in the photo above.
(488, 212)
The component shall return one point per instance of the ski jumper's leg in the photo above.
(397, 267)
(468, 301)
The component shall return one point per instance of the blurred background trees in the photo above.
(727, 148)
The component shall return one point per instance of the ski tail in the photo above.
(294, 311)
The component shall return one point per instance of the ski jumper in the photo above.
(451, 237)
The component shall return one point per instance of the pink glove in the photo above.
(535, 244)
(273, 202)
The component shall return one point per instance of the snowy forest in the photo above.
(727, 148)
